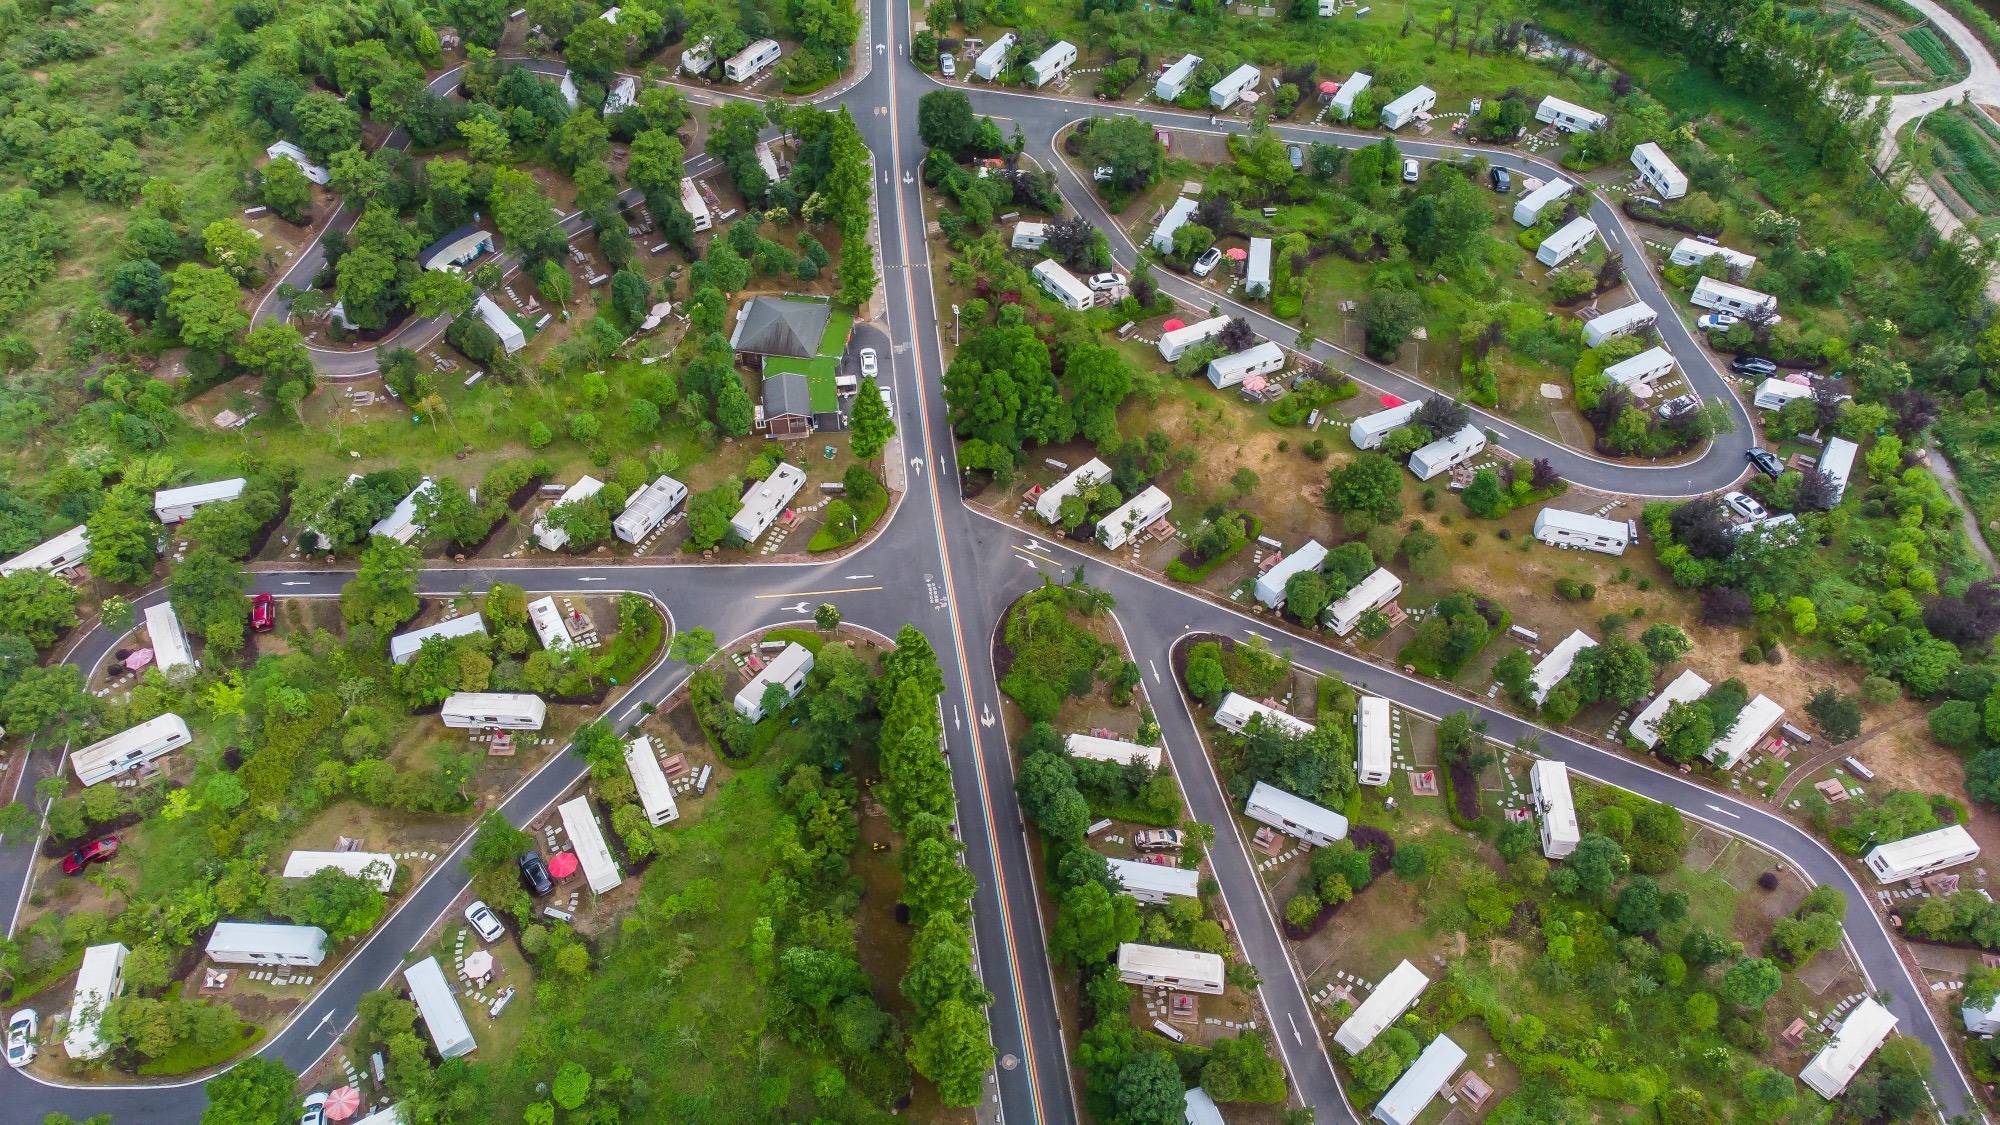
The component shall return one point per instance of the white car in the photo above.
(1716, 322)
(949, 65)
(1104, 281)
(315, 1109)
(21, 1038)
(1205, 265)
(484, 922)
(1409, 170)
(868, 367)
(1744, 505)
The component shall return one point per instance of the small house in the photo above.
(648, 508)
(1551, 669)
(172, 505)
(1029, 236)
(1693, 251)
(550, 628)
(438, 1005)
(993, 59)
(593, 855)
(1774, 393)
(552, 538)
(787, 670)
(1836, 460)
(1528, 211)
(1917, 856)
(1116, 751)
(1564, 244)
(98, 982)
(1646, 367)
(378, 868)
(1227, 371)
(1392, 996)
(172, 654)
(1549, 782)
(751, 61)
(1752, 724)
(1419, 1085)
(1173, 81)
(1132, 517)
(1864, 1030)
(1635, 317)
(1176, 217)
(493, 710)
(57, 556)
(649, 781)
(1064, 286)
(696, 60)
(403, 647)
(1686, 688)
(763, 501)
(1369, 430)
(624, 95)
(1721, 296)
(1374, 744)
(1407, 107)
(1154, 883)
(1448, 452)
(1052, 64)
(1233, 86)
(1294, 815)
(1257, 271)
(1659, 171)
(1084, 477)
(1343, 99)
(1159, 966)
(1175, 342)
(266, 943)
(1568, 116)
(1371, 593)
(130, 748)
(512, 339)
(1237, 712)
(286, 150)
(1270, 586)
(788, 406)
(695, 205)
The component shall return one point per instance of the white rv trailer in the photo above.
(378, 868)
(592, 853)
(1528, 211)
(1917, 856)
(1419, 1085)
(1294, 815)
(993, 59)
(1154, 883)
(1369, 430)
(1175, 342)
(1549, 782)
(1406, 107)
(266, 943)
(788, 670)
(57, 556)
(1113, 750)
(1237, 711)
(1550, 670)
(1774, 393)
(1448, 452)
(98, 982)
(1659, 171)
(1373, 592)
(1374, 743)
(1052, 64)
(550, 628)
(1720, 296)
(1162, 241)
(403, 647)
(172, 505)
(438, 1005)
(1343, 98)
(1568, 116)
(172, 654)
(483, 710)
(1752, 724)
(130, 748)
(552, 538)
(1865, 1029)
(401, 522)
(1159, 966)
(751, 61)
(1029, 236)
(695, 205)
(286, 150)
(1132, 517)
(1392, 996)
(1836, 460)
(1581, 530)
(1270, 586)
(648, 508)
(764, 500)
(1692, 251)
(1653, 363)
(1228, 371)
(656, 796)
(512, 339)
(1564, 244)
(1257, 271)
(1624, 321)
(1173, 81)
(1064, 286)
(1086, 476)
(1233, 86)
(1686, 688)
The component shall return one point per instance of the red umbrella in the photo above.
(343, 1103)
(562, 865)
(1329, 86)
(1237, 253)
(139, 659)
(1391, 400)
(1173, 324)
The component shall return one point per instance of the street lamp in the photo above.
(954, 326)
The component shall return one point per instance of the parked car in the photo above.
(535, 873)
(1716, 322)
(1679, 405)
(1105, 281)
(1502, 180)
(1297, 156)
(484, 922)
(315, 1109)
(21, 1037)
(948, 64)
(868, 364)
(96, 851)
(1205, 264)
(1158, 839)
(1409, 169)
(1753, 365)
(1744, 505)
(1766, 462)
(263, 613)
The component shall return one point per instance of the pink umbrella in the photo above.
(1799, 378)
(1391, 400)
(1173, 324)
(1641, 390)
(343, 1103)
(479, 964)
(139, 659)
(1237, 253)
(562, 865)
(1329, 86)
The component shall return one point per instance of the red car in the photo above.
(97, 851)
(263, 613)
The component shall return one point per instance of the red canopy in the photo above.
(1237, 253)
(1329, 86)
(1391, 400)
(1172, 324)
(562, 865)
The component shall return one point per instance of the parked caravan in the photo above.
(1659, 171)
(1343, 99)
(1174, 343)
(98, 982)
(993, 59)
(697, 60)
(1721, 296)
(1392, 996)
(1568, 116)
(1582, 531)
(1086, 476)
(403, 647)
(1693, 251)
(1636, 317)
(1564, 244)
(1652, 364)
(172, 505)
(1551, 669)
(1549, 781)
(1257, 271)
(1132, 517)
(378, 868)
(695, 205)
(1927, 854)
(58, 555)
(1686, 688)
(1269, 588)
(623, 96)
(130, 748)
(482, 710)
(1173, 81)
(266, 943)
(512, 339)
(1448, 452)
(1864, 1030)
(787, 670)
(1371, 593)
(1052, 64)
(1528, 211)
(1369, 430)
(1151, 882)
(1061, 284)
(172, 654)
(1374, 745)
(286, 150)
(1159, 966)
(1405, 108)
(1774, 393)
(1752, 724)
(1176, 217)
(593, 855)
(752, 60)
(648, 508)
(438, 1006)
(1419, 1085)
(656, 796)
(552, 538)
(1836, 460)
(550, 628)
(1113, 750)
(1238, 711)
(1227, 371)
(1029, 236)
(1294, 815)
(764, 500)
(1233, 86)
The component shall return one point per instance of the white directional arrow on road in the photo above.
(985, 715)
(957, 721)
(322, 1024)
(294, 583)
(799, 608)
(590, 580)
(917, 465)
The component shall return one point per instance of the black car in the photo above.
(1502, 181)
(1766, 462)
(535, 874)
(1753, 365)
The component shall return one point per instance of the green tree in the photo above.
(1128, 147)
(945, 121)
(1485, 497)
(383, 592)
(953, 1048)
(1388, 319)
(1598, 862)
(871, 425)
(1750, 983)
(256, 1091)
(826, 617)
(38, 606)
(1206, 680)
(1090, 924)
(285, 190)
(122, 538)
(205, 302)
(1370, 485)
(1242, 1069)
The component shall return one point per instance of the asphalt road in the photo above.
(952, 572)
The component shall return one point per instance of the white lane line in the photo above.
(1724, 812)
(1155, 668)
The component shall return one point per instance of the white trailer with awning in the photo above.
(1369, 430)
(1581, 531)
(1294, 815)
(401, 522)
(1374, 744)
(1160, 966)
(1175, 342)
(172, 505)
(1550, 670)
(1088, 475)
(1720, 296)
(1269, 588)
(1114, 750)
(549, 625)
(1564, 244)
(438, 1005)
(266, 943)
(378, 868)
(1407, 106)
(1659, 171)
(1448, 452)
(1237, 712)
(1693, 251)
(1647, 367)
(172, 654)
(1568, 116)
(656, 797)
(1226, 371)
(1864, 1030)
(552, 538)
(1686, 688)
(1549, 781)
(1926, 854)
(1132, 517)
(1393, 995)
(56, 555)
(593, 855)
(1371, 593)
(1173, 81)
(1774, 393)
(130, 748)
(1177, 216)
(1624, 321)
(1752, 724)
(1153, 882)
(1343, 98)
(498, 710)
(648, 508)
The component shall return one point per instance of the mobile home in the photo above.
(1175, 342)
(401, 523)
(172, 505)
(1270, 587)
(1836, 460)
(98, 982)
(1564, 244)
(286, 150)
(1624, 321)
(1369, 430)
(1054, 63)
(1981, 1019)
(1173, 81)
(266, 943)
(1864, 1030)
(552, 538)
(1393, 995)
(656, 797)
(1568, 116)
(1691, 251)
(623, 96)
(788, 670)
(592, 853)
(1448, 452)
(1374, 745)
(1406, 107)
(1550, 670)
(1294, 815)
(751, 61)
(1528, 211)
(1227, 371)
(697, 59)
(1177, 216)
(1752, 724)
(1233, 86)
(1721, 296)
(1917, 856)
(403, 647)
(1343, 99)
(1371, 593)
(512, 339)
(1774, 393)
(1550, 783)
(435, 1001)
(1257, 271)
(131, 748)
(1063, 285)
(1649, 365)
(764, 500)
(56, 556)
(1419, 1085)
(1237, 712)
(1660, 172)
(648, 508)
(172, 654)
(993, 59)
(480, 710)
(1086, 476)
(1113, 750)
(1029, 236)
(1132, 517)
(695, 205)
(1150, 882)
(378, 868)
(1159, 966)
(550, 628)
(1686, 688)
